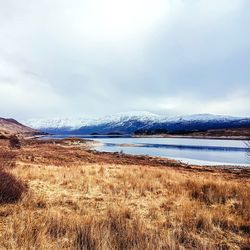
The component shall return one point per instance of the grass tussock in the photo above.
(11, 188)
(14, 142)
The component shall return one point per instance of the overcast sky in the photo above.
(99, 57)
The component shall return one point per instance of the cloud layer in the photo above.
(95, 57)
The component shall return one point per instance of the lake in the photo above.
(187, 150)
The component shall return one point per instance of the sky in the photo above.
(99, 57)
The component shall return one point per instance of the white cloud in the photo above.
(95, 57)
(23, 92)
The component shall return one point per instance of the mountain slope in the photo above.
(129, 123)
(11, 126)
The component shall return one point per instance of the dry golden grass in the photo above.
(88, 205)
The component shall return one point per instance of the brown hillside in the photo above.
(11, 126)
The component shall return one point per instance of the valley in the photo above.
(64, 194)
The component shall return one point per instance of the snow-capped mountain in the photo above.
(131, 122)
(56, 123)
(76, 123)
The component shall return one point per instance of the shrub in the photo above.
(11, 189)
(15, 142)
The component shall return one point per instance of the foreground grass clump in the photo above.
(14, 142)
(11, 188)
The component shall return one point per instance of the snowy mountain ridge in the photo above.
(121, 119)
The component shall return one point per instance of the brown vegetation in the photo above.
(11, 189)
(78, 199)
(14, 142)
(3, 136)
(12, 127)
(229, 132)
(7, 158)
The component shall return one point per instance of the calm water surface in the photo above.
(188, 150)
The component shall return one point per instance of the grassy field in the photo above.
(73, 198)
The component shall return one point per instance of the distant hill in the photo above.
(229, 132)
(11, 126)
(140, 123)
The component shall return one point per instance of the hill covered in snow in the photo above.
(137, 122)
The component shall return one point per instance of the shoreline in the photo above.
(244, 138)
(123, 158)
(95, 144)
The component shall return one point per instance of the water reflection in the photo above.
(188, 150)
(192, 151)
